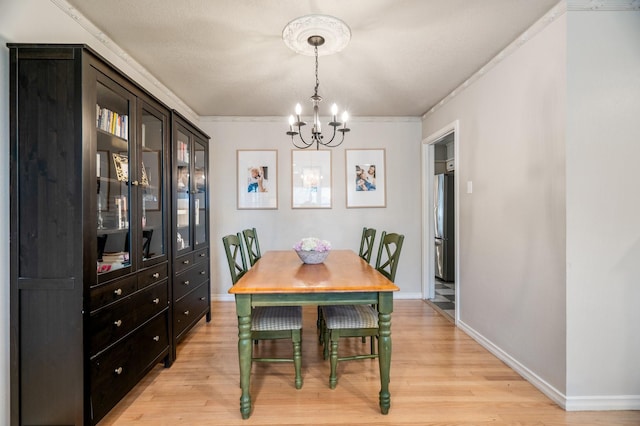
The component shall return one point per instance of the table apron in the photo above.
(301, 299)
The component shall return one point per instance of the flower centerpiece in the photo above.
(312, 250)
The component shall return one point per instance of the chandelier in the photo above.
(317, 29)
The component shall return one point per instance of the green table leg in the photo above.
(385, 308)
(243, 310)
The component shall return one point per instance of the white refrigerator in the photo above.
(443, 209)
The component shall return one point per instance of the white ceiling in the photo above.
(227, 57)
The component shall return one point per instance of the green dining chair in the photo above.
(366, 250)
(267, 322)
(366, 243)
(358, 320)
(253, 247)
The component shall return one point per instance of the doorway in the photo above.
(440, 221)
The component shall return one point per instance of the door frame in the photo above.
(428, 235)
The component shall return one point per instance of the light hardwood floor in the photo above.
(439, 376)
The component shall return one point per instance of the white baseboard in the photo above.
(579, 403)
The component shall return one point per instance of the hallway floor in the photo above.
(445, 299)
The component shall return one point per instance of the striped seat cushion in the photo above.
(273, 318)
(350, 316)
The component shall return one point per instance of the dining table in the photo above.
(280, 278)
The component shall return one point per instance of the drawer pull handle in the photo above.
(203, 298)
(156, 301)
(186, 282)
(117, 323)
(156, 275)
(118, 370)
(202, 254)
(186, 262)
(118, 292)
(156, 338)
(186, 312)
(203, 272)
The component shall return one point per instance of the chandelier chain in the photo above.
(317, 80)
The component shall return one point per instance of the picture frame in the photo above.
(366, 178)
(121, 164)
(311, 179)
(151, 180)
(257, 175)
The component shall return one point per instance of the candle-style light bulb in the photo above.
(345, 117)
(291, 121)
(298, 111)
(334, 111)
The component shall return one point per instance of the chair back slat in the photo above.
(366, 243)
(389, 254)
(252, 244)
(235, 256)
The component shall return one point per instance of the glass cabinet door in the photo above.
(151, 241)
(200, 192)
(113, 152)
(183, 192)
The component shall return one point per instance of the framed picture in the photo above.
(257, 179)
(310, 179)
(366, 178)
(121, 164)
(151, 180)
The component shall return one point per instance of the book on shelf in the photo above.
(115, 257)
(112, 122)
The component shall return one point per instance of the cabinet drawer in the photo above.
(112, 292)
(182, 263)
(201, 256)
(191, 308)
(116, 371)
(110, 324)
(190, 279)
(150, 301)
(152, 275)
(114, 322)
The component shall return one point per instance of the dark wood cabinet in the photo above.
(91, 235)
(191, 294)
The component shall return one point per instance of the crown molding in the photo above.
(603, 5)
(107, 42)
(277, 119)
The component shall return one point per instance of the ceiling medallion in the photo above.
(336, 34)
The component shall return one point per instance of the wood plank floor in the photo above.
(439, 376)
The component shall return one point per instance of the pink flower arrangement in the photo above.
(312, 244)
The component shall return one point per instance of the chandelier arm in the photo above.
(334, 135)
(306, 144)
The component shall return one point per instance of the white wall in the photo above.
(603, 207)
(512, 227)
(281, 228)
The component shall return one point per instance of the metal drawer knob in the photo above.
(156, 301)
(186, 282)
(186, 312)
(202, 254)
(186, 262)
(203, 298)
(156, 275)
(156, 338)
(118, 370)
(118, 292)
(117, 323)
(203, 272)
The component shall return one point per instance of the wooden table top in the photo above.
(282, 271)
